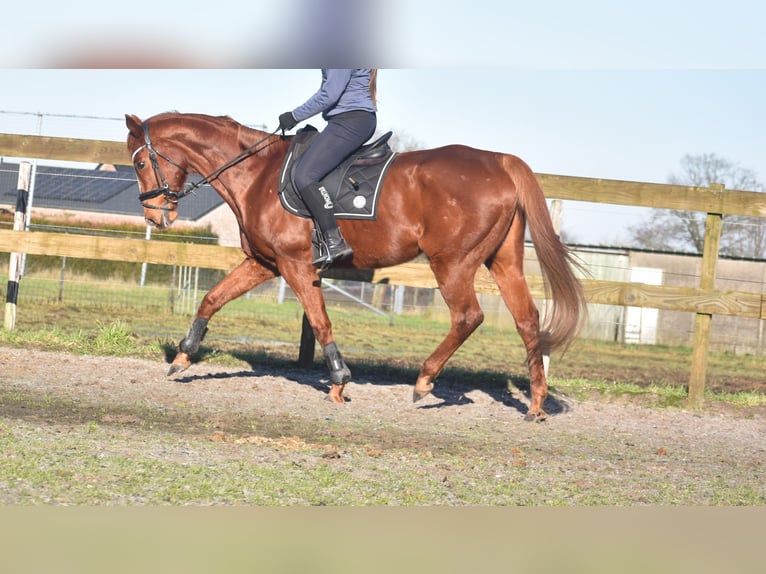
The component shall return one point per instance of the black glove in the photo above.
(287, 121)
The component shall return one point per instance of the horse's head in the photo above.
(160, 178)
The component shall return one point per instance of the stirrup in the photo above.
(320, 253)
(337, 247)
(323, 256)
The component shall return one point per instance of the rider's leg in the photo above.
(320, 205)
(343, 134)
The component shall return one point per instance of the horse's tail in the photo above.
(564, 317)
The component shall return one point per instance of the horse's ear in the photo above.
(134, 125)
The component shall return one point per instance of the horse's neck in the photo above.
(219, 143)
(225, 142)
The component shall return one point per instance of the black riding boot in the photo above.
(337, 248)
(332, 246)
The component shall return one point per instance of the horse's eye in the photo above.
(140, 165)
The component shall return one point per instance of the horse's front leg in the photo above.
(306, 284)
(245, 276)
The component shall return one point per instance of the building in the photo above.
(109, 195)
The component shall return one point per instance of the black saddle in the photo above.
(354, 186)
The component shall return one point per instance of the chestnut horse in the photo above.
(459, 206)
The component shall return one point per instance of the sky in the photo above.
(597, 88)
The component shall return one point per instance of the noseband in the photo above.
(172, 196)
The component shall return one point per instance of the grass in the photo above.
(663, 395)
(106, 339)
(94, 463)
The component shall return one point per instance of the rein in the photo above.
(172, 196)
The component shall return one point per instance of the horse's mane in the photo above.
(245, 134)
(175, 114)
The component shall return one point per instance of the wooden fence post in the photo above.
(14, 264)
(713, 226)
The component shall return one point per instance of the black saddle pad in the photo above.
(354, 186)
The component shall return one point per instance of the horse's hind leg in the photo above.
(244, 277)
(507, 270)
(456, 286)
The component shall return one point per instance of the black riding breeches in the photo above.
(343, 135)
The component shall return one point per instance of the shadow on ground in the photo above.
(452, 388)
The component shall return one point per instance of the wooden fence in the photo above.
(704, 300)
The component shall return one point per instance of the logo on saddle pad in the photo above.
(352, 189)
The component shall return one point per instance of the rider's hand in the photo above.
(287, 121)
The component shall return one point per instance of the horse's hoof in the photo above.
(423, 388)
(531, 417)
(336, 394)
(176, 368)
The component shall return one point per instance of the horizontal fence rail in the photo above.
(655, 195)
(705, 301)
(68, 149)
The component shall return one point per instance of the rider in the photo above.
(346, 100)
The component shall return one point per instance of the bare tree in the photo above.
(401, 141)
(675, 230)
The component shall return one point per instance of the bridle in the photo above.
(163, 188)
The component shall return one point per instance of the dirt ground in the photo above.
(585, 440)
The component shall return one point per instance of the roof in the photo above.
(96, 190)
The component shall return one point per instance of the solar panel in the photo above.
(81, 186)
(94, 190)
